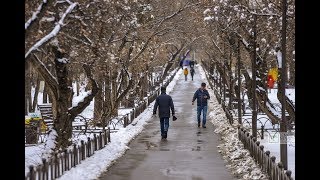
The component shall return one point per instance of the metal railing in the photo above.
(267, 164)
(61, 162)
(275, 171)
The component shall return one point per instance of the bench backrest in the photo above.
(46, 113)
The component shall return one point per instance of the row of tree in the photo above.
(115, 46)
(251, 32)
(111, 46)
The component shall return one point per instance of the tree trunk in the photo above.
(106, 101)
(45, 94)
(290, 108)
(77, 86)
(114, 105)
(36, 93)
(28, 101)
(63, 120)
(98, 102)
(61, 94)
(292, 73)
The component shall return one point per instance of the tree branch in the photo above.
(34, 15)
(53, 33)
(74, 111)
(51, 81)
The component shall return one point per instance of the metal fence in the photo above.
(275, 171)
(59, 163)
(267, 164)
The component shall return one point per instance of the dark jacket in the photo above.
(192, 71)
(191, 64)
(164, 102)
(199, 95)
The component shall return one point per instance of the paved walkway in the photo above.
(188, 153)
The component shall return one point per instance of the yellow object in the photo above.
(42, 124)
(185, 72)
(274, 73)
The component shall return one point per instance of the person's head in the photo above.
(163, 89)
(203, 85)
(185, 68)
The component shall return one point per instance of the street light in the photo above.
(254, 76)
(281, 57)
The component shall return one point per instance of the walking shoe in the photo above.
(204, 126)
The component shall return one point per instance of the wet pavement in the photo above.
(189, 153)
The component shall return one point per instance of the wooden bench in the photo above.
(80, 122)
(46, 113)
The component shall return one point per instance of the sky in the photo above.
(231, 149)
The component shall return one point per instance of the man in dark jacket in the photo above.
(165, 103)
(192, 72)
(202, 96)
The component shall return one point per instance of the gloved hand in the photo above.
(174, 118)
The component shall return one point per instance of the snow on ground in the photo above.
(239, 160)
(124, 111)
(33, 156)
(91, 167)
(274, 148)
(290, 93)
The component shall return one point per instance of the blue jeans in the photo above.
(204, 109)
(164, 125)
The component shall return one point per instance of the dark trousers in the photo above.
(164, 125)
(204, 111)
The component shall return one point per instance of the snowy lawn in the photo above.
(273, 147)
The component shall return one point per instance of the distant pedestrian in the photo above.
(185, 72)
(192, 72)
(181, 64)
(202, 96)
(191, 63)
(165, 103)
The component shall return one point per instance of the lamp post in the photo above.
(254, 83)
(282, 62)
